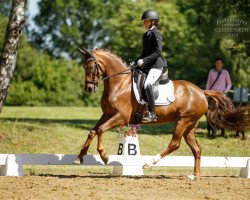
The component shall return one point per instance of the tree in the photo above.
(127, 30)
(40, 80)
(66, 25)
(188, 28)
(204, 16)
(9, 54)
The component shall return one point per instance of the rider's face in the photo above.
(147, 23)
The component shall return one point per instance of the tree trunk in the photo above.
(11, 40)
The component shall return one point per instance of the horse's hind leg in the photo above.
(195, 147)
(180, 129)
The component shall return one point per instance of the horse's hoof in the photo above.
(78, 161)
(105, 160)
(192, 177)
(147, 166)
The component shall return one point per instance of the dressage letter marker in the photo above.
(132, 150)
(120, 149)
(129, 147)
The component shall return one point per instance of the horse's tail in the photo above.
(222, 113)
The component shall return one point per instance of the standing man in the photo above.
(218, 80)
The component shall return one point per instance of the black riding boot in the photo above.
(150, 116)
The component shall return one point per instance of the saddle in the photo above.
(140, 78)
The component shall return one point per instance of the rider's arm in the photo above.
(157, 48)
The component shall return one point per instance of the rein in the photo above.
(122, 72)
(97, 66)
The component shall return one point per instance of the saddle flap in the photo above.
(163, 88)
(139, 79)
(164, 79)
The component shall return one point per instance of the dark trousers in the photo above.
(214, 130)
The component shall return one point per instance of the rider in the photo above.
(151, 59)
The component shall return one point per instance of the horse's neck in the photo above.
(117, 75)
(114, 68)
(117, 78)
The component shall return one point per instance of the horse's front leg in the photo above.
(113, 122)
(87, 143)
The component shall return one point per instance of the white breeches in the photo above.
(152, 77)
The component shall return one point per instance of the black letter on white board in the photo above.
(120, 149)
(132, 149)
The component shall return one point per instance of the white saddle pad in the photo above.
(166, 94)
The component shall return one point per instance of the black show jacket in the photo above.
(152, 50)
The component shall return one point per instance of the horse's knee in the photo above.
(100, 130)
(112, 99)
(92, 134)
(174, 145)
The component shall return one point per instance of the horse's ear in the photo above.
(86, 53)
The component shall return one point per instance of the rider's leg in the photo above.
(152, 77)
(150, 116)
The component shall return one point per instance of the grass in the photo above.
(64, 130)
(86, 171)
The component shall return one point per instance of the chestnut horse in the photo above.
(119, 106)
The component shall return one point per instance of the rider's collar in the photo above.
(151, 28)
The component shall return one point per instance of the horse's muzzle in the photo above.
(90, 88)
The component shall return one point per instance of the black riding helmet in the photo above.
(150, 14)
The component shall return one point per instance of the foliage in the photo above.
(128, 130)
(5, 7)
(204, 17)
(46, 82)
(187, 26)
(127, 31)
(66, 25)
(41, 80)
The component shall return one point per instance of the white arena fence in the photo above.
(12, 164)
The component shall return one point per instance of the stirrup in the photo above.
(150, 117)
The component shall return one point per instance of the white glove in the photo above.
(140, 62)
(132, 63)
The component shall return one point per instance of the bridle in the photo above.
(97, 67)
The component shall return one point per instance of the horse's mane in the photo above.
(117, 58)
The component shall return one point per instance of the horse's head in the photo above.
(93, 70)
